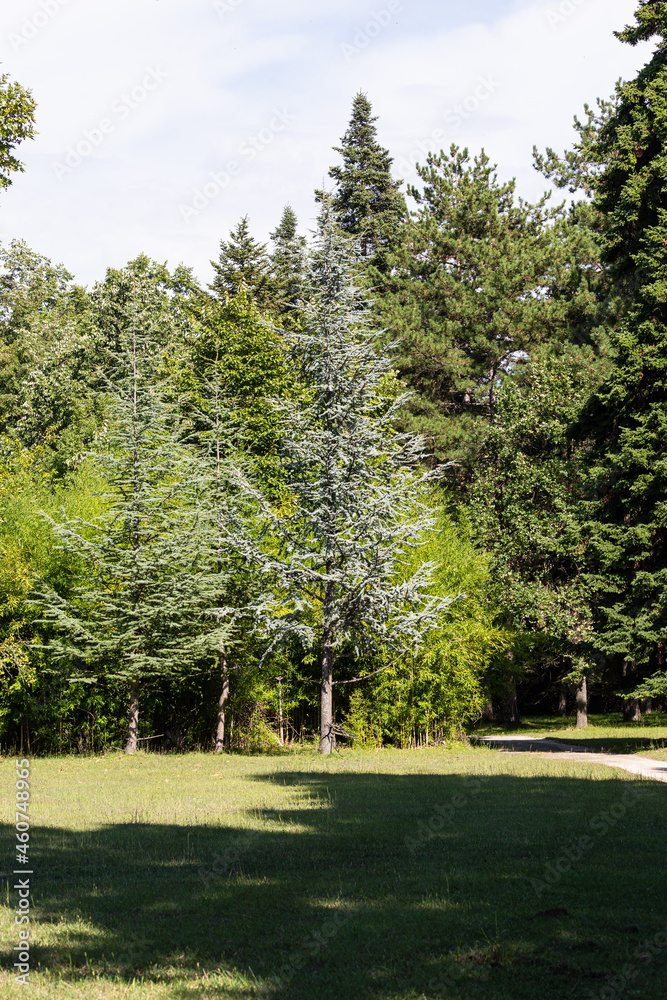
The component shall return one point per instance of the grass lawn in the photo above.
(604, 732)
(417, 875)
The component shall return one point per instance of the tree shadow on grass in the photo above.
(371, 886)
(591, 744)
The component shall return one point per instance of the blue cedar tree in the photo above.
(354, 498)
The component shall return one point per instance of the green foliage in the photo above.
(243, 263)
(353, 494)
(481, 282)
(238, 363)
(523, 505)
(48, 352)
(625, 424)
(17, 123)
(367, 201)
(430, 696)
(138, 612)
(29, 553)
(287, 268)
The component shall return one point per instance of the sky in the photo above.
(162, 122)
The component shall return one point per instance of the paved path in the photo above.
(643, 766)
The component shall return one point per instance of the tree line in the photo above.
(371, 485)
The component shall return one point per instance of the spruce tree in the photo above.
(352, 492)
(287, 267)
(626, 423)
(243, 263)
(366, 200)
(138, 614)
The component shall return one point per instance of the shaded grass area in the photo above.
(604, 732)
(387, 876)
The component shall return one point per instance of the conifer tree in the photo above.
(523, 505)
(366, 200)
(352, 492)
(481, 281)
(138, 612)
(626, 422)
(287, 267)
(237, 362)
(243, 263)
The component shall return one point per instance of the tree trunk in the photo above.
(582, 704)
(280, 711)
(631, 709)
(492, 394)
(222, 703)
(562, 701)
(646, 706)
(133, 726)
(510, 704)
(327, 738)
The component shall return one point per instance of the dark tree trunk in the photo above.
(631, 711)
(646, 706)
(582, 704)
(327, 737)
(510, 704)
(489, 714)
(222, 704)
(133, 725)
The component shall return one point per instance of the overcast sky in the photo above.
(161, 122)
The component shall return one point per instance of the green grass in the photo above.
(416, 875)
(604, 732)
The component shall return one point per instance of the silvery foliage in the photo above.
(356, 495)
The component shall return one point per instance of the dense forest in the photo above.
(374, 484)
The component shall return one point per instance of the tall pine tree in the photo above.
(482, 281)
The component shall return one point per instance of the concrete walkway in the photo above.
(643, 766)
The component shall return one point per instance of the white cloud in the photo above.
(224, 74)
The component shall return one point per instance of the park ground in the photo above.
(435, 874)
